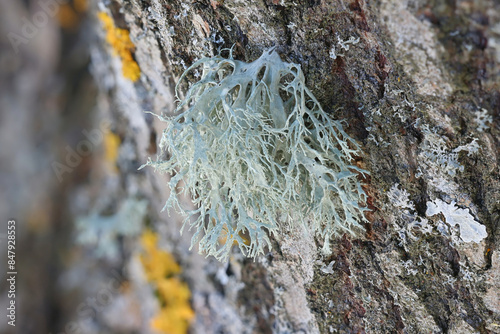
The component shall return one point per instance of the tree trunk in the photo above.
(418, 86)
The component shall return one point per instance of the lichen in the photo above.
(102, 232)
(482, 119)
(436, 155)
(162, 272)
(408, 222)
(157, 263)
(254, 148)
(400, 198)
(438, 163)
(119, 39)
(111, 149)
(470, 229)
(344, 45)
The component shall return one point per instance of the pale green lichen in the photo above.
(482, 119)
(470, 229)
(102, 232)
(253, 148)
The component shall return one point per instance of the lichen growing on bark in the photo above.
(119, 40)
(254, 148)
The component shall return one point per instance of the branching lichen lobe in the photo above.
(254, 148)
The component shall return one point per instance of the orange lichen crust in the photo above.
(119, 39)
(160, 268)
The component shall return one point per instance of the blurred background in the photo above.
(91, 251)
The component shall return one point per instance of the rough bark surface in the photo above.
(414, 83)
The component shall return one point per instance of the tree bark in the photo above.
(411, 86)
(416, 63)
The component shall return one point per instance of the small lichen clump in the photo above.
(470, 229)
(254, 148)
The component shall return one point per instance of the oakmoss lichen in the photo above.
(254, 149)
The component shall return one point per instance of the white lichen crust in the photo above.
(254, 148)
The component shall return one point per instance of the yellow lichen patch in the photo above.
(167, 321)
(157, 264)
(119, 39)
(173, 291)
(176, 312)
(173, 294)
(111, 146)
